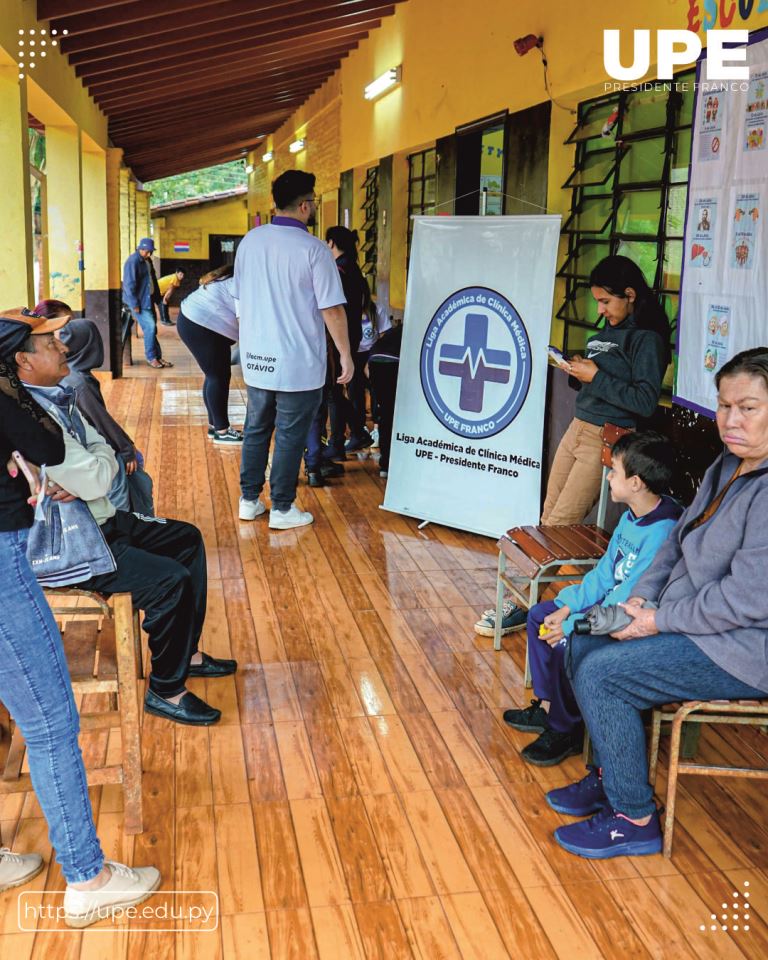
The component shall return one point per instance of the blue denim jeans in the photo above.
(288, 415)
(614, 682)
(148, 323)
(36, 689)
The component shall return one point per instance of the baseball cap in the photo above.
(146, 243)
(16, 325)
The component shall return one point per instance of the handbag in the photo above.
(65, 544)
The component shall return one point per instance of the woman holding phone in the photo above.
(619, 382)
(34, 678)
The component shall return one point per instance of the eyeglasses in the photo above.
(310, 200)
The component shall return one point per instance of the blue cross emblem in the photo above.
(474, 363)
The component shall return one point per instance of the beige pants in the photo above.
(574, 481)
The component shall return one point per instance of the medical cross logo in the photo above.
(476, 362)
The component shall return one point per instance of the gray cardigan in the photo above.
(710, 582)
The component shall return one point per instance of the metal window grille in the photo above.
(629, 193)
(370, 208)
(422, 187)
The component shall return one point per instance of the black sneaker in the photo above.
(532, 719)
(331, 469)
(359, 443)
(315, 478)
(552, 747)
(335, 455)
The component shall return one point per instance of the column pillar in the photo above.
(16, 260)
(65, 214)
(116, 224)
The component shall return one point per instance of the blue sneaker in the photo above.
(580, 799)
(607, 834)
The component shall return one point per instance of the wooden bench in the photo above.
(749, 712)
(532, 556)
(103, 655)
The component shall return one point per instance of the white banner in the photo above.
(469, 417)
(724, 288)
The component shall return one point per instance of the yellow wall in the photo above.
(459, 66)
(195, 224)
(52, 83)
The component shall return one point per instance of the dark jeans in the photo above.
(288, 415)
(615, 681)
(162, 563)
(313, 455)
(213, 354)
(165, 312)
(384, 381)
(548, 672)
(347, 408)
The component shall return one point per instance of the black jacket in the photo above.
(631, 364)
(26, 428)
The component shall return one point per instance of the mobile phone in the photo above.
(557, 358)
(32, 479)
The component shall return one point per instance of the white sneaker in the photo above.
(125, 888)
(285, 519)
(250, 509)
(375, 438)
(18, 868)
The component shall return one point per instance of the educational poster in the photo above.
(710, 128)
(469, 417)
(724, 286)
(756, 122)
(701, 247)
(745, 231)
(718, 327)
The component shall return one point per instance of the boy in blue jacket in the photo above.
(640, 474)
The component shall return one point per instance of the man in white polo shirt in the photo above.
(289, 290)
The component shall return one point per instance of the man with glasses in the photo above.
(289, 291)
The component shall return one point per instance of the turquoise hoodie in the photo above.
(630, 552)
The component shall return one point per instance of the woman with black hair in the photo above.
(619, 382)
(349, 409)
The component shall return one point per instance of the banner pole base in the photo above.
(423, 524)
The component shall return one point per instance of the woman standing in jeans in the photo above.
(34, 679)
(208, 327)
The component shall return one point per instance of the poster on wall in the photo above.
(469, 419)
(724, 288)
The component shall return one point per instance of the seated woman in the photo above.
(703, 581)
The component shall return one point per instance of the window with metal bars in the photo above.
(370, 208)
(629, 192)
(422, 188)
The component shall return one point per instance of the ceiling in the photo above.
(191, 83)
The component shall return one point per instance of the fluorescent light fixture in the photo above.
(249, 168)
(383, 83)
(298, 145)
(267, 156)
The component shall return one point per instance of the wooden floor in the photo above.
(361, 796)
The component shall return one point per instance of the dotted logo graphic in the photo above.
(33, 46)
(739, 920)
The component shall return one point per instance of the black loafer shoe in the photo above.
(212, 667)
(190, 709)
(315, 478)
(331, 469)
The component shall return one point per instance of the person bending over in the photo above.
(708, 580)
(160, 562)
(640, 475)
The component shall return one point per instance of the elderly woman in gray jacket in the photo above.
(702, 581)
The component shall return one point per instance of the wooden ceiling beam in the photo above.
(200, 38)
(128, 125)
(129, 12)
(50, 9)
(276, 44)
(214, 86)
(187, 150)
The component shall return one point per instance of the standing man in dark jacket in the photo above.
(140, 293)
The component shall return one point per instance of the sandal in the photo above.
(156, 364)
(165, 363)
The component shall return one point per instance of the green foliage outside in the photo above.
(198, 183)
